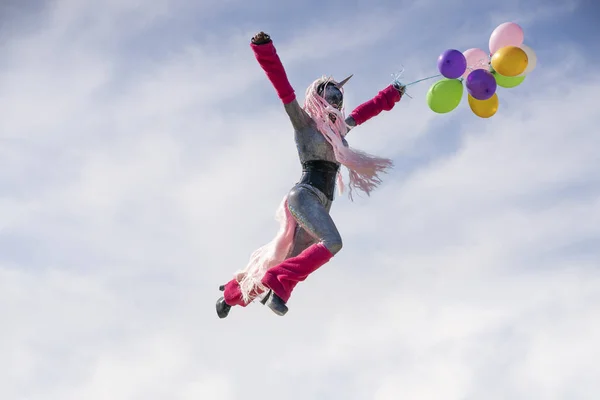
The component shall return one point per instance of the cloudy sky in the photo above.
(143, 154)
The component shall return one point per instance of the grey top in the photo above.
(311, 143)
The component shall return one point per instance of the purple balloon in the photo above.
(452, 64)
(481, 84)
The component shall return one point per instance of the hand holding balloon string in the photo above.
(402, 86)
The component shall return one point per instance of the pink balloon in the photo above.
(506, 34)
(476, 59)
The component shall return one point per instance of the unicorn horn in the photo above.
(342, 83)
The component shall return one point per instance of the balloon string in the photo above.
(424, 79)
(479, 64)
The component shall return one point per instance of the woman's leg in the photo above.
(232, 294)
(311, 211)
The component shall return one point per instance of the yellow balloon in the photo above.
(484, 108)
(510, 61)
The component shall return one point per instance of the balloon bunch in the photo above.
(507, 65)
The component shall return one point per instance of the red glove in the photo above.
(267, 57)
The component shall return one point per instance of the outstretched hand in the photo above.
(400, 88)
(261, 38)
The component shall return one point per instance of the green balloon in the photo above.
(445, 95)
(508, 81)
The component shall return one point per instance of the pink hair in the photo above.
(363, 168)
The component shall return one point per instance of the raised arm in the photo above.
(267, 57)
(385, 100)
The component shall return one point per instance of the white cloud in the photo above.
(126, 202)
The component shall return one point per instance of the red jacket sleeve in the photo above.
(267, 57)
(383, 101)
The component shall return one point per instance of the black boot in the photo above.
(222, 307)
(275, 303)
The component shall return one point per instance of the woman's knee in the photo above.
(333, 243)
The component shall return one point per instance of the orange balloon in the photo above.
(484, 108)
(510, 61)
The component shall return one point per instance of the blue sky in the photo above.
(143, 154)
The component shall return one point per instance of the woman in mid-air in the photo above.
(308, 237)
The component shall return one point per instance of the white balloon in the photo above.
(532, 59)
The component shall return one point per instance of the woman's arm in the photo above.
(267, 57)
(385, 100)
